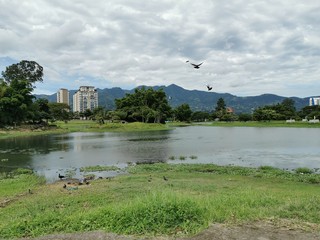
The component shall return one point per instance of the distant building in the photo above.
(63, 96)
(85, 98)
(314, 101)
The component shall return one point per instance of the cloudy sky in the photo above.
(248, 47)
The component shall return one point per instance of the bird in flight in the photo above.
(197, 66)
(209, 87)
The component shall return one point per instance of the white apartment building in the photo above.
(63, 96)
(85, 98)
(314, 101)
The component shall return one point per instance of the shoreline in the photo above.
(91, 126)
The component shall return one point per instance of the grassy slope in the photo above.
(142, 202)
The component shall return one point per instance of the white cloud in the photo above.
(248, 47)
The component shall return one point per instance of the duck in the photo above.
(61, 177)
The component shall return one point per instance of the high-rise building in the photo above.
(85, 98)
(63, 96)
(314, 101)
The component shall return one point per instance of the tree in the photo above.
(265, 114)
(16, 86)
(39, 111)
(200, 116)
(244, 117)
(220, 109)
(99, 114)
(145, 105)
(59, 111)
(285, 109)
(29, 71)
(221, 106)
(183, 113)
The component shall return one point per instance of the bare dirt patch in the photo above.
(262, 230)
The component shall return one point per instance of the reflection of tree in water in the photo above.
(18, 152)
(34, 145)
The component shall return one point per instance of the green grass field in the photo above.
(143, 203)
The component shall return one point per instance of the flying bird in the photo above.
(197, 66)
(209, 87)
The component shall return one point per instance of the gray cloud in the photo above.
(248, 47)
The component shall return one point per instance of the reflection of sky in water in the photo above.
(286, 148)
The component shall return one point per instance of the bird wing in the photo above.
(196, 65)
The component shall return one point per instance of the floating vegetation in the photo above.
(193, 157)
(182, 157)
(70, 173)
(172, 158)
(99, 168)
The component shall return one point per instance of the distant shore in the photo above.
(92, 126)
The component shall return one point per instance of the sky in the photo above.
(247, 47)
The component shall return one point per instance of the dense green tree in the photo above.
(99, 114)
(16, 86)
(310, 112)
(220, 109)
(244, 117)
(183, 113)
(29, 71)
(144, 105)
(265, 114)
(59, 111)
(200, 116)
(285, 109)
(39, 111)
(221, 105)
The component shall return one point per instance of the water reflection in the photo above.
(287, 148)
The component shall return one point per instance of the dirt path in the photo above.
(253, 231)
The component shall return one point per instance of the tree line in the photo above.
(19, 106)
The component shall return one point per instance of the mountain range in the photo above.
(197, 100)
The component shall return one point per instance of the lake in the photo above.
(285, 148)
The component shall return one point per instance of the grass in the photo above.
(142, 203)
(84, 126)
(91, 126)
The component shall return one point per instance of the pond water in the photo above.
(285, 148)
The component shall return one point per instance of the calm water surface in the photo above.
(286, 148)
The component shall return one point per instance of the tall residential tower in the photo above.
(63, 96)
(85, 98)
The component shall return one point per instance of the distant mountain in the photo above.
(197, 100)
